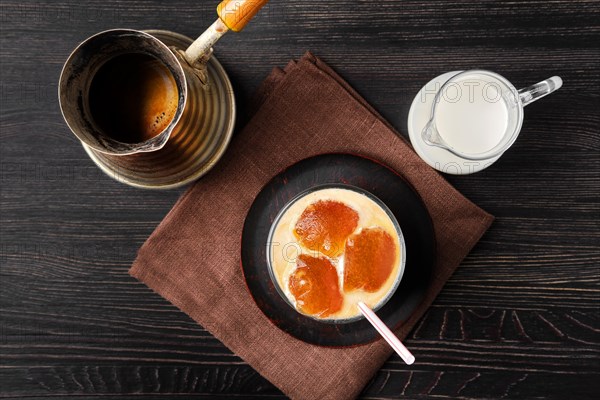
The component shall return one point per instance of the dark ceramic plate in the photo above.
(368, 175)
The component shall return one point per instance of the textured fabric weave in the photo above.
(193, 257)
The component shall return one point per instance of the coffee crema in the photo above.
(332, 248)
(133, 97)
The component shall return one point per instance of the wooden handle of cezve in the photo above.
(233, 16)
(236, 14)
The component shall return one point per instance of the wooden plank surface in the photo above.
(518, 320)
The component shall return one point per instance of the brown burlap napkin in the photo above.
(193, 258)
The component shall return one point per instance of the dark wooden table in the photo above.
(518, 320)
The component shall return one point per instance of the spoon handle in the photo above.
(386, 333)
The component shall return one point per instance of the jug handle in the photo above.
(534, 92)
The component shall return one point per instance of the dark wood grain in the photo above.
(518, 320)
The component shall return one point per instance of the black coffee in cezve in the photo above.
(133, 97)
